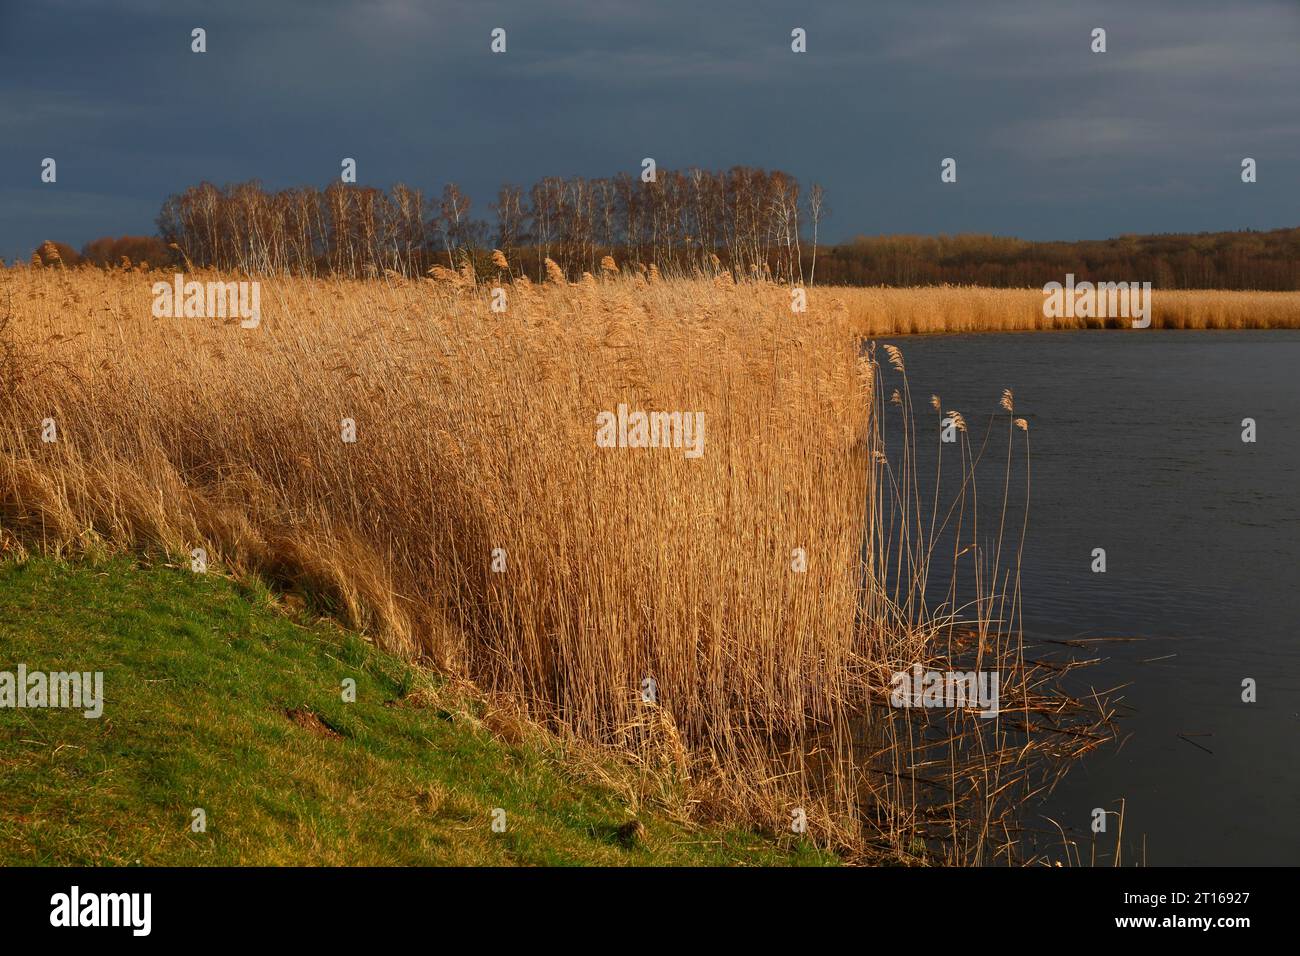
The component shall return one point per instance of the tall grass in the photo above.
(475, 447)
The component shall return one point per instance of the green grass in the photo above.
(200, 677)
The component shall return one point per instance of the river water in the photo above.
(1137, 449)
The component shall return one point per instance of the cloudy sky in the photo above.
(1052, 141)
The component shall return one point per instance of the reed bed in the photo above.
(474, 524)
(953, 309)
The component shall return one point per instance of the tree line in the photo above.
(750, 221)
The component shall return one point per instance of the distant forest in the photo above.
(749, 222)
(1212, 260)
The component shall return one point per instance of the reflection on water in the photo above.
(1136, 448)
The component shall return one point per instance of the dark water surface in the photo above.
(1136, 448)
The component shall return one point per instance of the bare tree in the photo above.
(816, 210)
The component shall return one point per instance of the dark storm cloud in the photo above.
(1052, 141)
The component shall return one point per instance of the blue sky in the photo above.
(1052, 141)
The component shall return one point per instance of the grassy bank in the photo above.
(215, 698)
